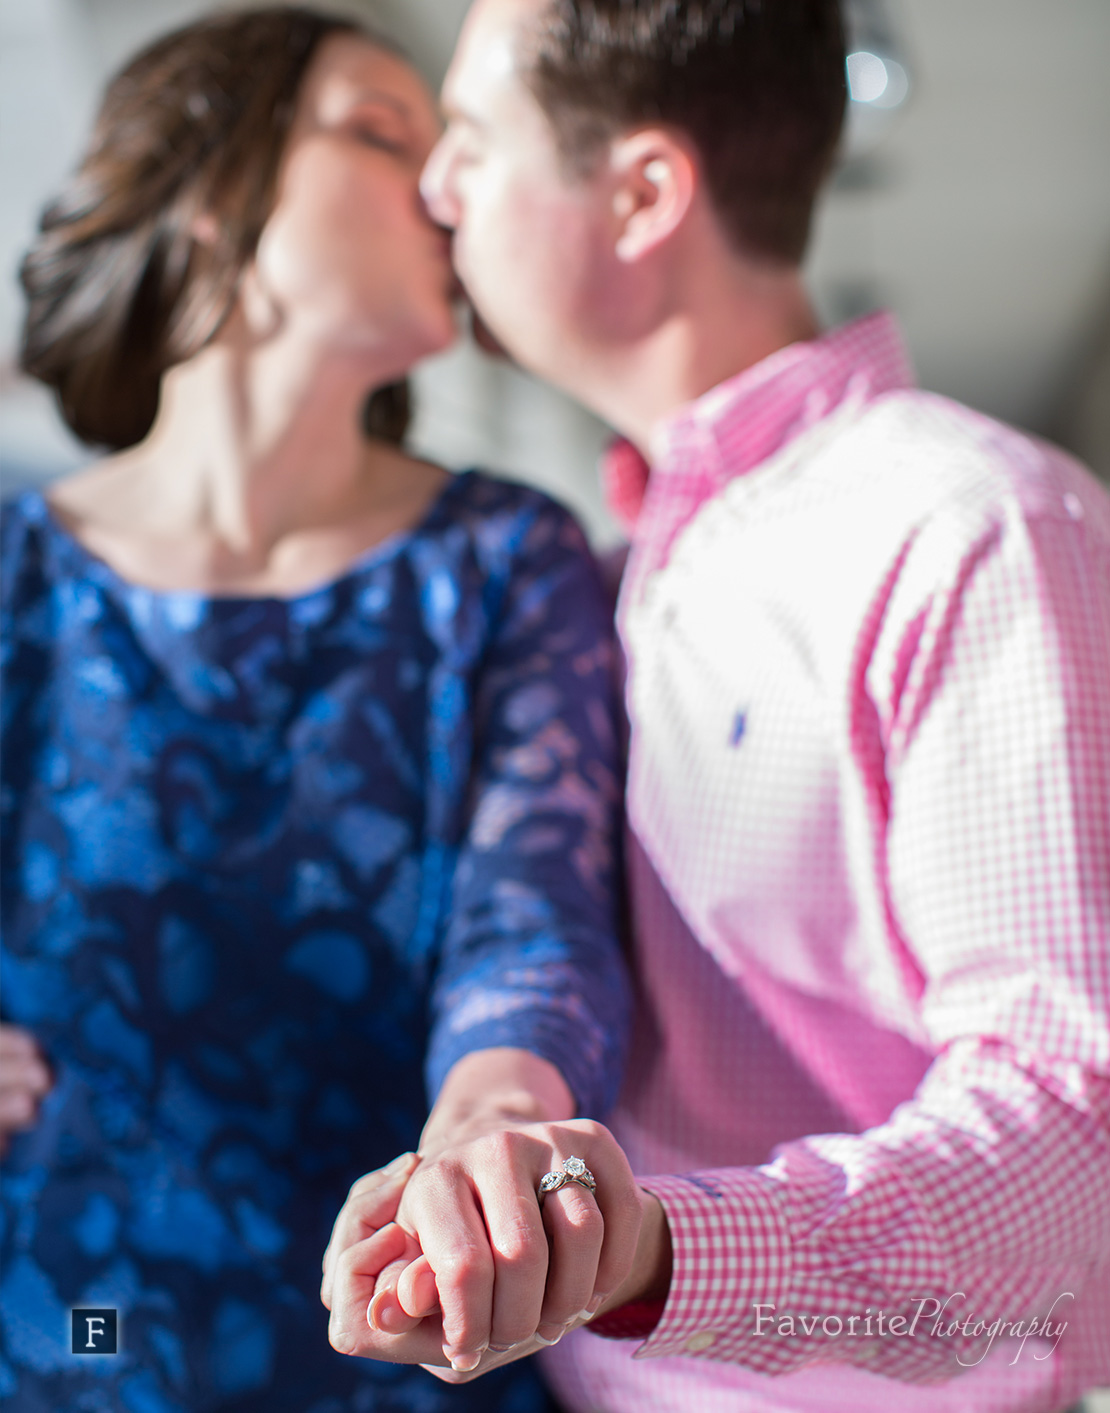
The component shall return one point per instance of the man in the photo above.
(868, 644)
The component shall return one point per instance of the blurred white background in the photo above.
(979, 210)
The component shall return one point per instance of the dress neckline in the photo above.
(36, 506)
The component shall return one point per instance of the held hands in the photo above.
(24, 1079)
(448, 1260)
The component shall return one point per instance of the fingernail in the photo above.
(504, 1348)
(466, 1363)
(390, 1319)
(586, 1314)
(557, 1332)
(594, 1305)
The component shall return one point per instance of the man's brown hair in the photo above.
(118, 287)
(758, 86)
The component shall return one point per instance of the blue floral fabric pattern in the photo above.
(270, 867)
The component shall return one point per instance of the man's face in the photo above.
(531, 241)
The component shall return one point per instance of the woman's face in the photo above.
(348, 254)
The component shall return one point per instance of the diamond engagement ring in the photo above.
(573, 1170)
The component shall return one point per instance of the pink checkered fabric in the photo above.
(868, 637)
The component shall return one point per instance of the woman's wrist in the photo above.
(494, 1089)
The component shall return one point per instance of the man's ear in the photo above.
(656, 179)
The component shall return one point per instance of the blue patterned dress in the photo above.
(270, 867)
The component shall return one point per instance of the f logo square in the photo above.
(93, 1332)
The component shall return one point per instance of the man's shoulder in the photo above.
(933, 457)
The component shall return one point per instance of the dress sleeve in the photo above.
(531, 957)
(25, 652)
(984, 1199)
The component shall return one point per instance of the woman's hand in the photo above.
(24, 1079)
(473, 1273)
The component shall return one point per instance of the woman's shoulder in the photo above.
(24, 547)
(487, 492)
(509, 519)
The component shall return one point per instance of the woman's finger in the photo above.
(14, 1040)
(576, 1230)
(441, 1208)
(26, 1072)
(24, 1079)
(521, 1254)
(618, 1198)
(18, 1108)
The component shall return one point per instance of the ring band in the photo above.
(573, 1170)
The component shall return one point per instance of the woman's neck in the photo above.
(254, 447)
(256, 476)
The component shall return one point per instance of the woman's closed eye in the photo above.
(386, 136)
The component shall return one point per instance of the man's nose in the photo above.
(436, 185)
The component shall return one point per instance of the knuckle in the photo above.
(341, 1337)
(583, 1215)
(522, 1249)
(500, 1147)
(464, 1267)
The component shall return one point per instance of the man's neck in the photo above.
(720, 318)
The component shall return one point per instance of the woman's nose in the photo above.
(436, 186)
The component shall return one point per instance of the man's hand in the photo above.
(370, 1207)
(24, 1079)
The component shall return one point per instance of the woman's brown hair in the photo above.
(118, 287)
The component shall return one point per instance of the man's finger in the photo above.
(387, 1313)
(416, 1289)
(354, 1294)
(371, 1204)
(365, 1260)
(354, 1281)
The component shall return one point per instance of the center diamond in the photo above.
(575, 1166)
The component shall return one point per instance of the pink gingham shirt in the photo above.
(868, 640)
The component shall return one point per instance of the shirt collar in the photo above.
(741, 422)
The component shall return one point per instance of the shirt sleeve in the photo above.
(984, 1198)
(531, 957)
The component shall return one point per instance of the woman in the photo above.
(308, 750)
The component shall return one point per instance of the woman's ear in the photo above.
(656, 178)
(205, 229)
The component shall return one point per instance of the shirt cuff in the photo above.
(636, 1320)
(730, 1246)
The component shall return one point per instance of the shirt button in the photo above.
(700, 1342)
